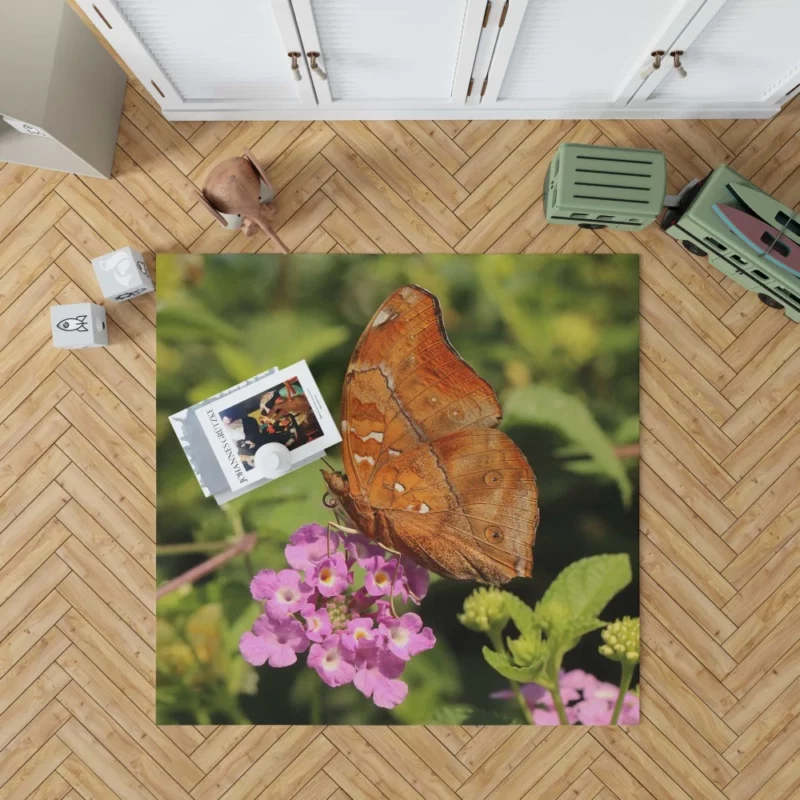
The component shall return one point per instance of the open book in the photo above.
(221, 435)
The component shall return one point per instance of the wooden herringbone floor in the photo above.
(720, 471)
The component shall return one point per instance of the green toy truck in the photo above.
(702, 232)
(605, 187)
(599, 187)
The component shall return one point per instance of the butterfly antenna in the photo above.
(328, 465)
(391, 591)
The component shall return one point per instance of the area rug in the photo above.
(398, 489)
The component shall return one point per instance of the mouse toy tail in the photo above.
(263, 222)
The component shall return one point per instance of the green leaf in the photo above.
(583, 625)
(501, 663)
(585, 587)
(296, 335)
(564, 636)
(464, 714)
(523, 615)
(236, 362)
(627, 431)
(191, 322)
(549, 407)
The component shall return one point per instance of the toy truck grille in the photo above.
(594, 186)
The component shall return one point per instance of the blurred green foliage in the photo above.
(557, 338)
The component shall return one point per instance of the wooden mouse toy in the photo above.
(233, 187)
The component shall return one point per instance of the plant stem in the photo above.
(316, 704)
(235, 518)
(243, 545)
(496, 638)
(624, 685)
(554, 671)
(191, 547)
(559, 704)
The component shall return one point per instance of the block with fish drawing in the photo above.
(122, 274)
(78, 325)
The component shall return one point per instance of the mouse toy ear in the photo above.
(257, 167)
(213, 211)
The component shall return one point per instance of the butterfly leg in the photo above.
(337, 527)
(341, 528)
(391, 591)
(328, 538)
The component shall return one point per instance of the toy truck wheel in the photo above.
(693, 248)
(592, 226)
(769, 301)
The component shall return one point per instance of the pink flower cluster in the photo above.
(587, 700)
(351, 634)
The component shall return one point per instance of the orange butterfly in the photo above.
(426, 472)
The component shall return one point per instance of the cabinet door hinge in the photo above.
(503, 15)
(486, 13)
(485, 84)
(469, 88)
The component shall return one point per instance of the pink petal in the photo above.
(364, 681)
(411, 621)
(282, 656)
(390, 666)
(594, 712)
(629, 716)
(254, 649)
(542, 717)
(263, 584)
(424, 640)
(417, 579)
(389, 693)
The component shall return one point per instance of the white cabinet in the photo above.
(207, 55)
(571, 54)
(405, 59)
(390, 53)
(733, 51)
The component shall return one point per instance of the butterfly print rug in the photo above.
(466, 555)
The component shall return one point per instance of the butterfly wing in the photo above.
(421, 452)
(464, 506)
(406, 384)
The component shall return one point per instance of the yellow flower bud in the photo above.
(485, 610)
(621, 640)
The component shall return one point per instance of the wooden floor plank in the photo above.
(437, 143)
(720, 469)
(81, 597)
(378, 157)
(30, 231)
(30, 266)
(682, 555)
(136, 108)
(686, 737)
(419, 161)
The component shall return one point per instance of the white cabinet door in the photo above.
(390, 54)
(574, 54)
(207, 54)
(734, 52)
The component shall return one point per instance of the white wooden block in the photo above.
(78, 325)
(122, 274)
